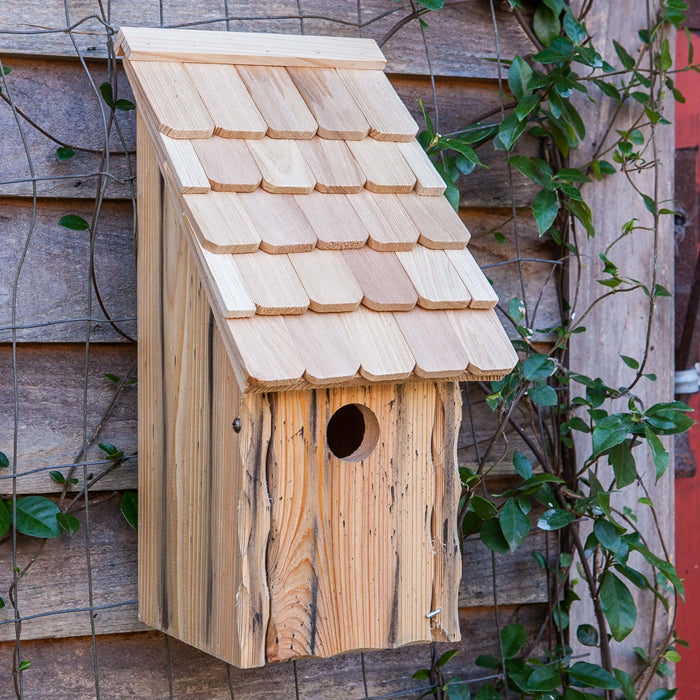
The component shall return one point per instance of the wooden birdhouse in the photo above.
(307, 307)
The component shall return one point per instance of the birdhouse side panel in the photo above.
(363, 547)
(204, 508)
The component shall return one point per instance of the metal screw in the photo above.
(433, 613)
(236, 425)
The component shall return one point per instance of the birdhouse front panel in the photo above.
(307, 305)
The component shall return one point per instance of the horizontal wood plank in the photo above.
(142, 664)
(461, 38)
(58, 579)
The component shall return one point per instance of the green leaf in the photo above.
(74, 222)
(623, 464)
(544, 678)
(626, 60)
(422, 674)
(483, 508)
(129, 508)
(593, 676)
(545, 208)
(24, 665)
(587, 635)
(618, 606)
(658, 452)
(487, 692)
(457, 690)
(112, 378)
(124, 105)
(36, 517)
(510, 130)
(488, 661)
(665, 60)
(57, 477)
(516, 309)
(608, 89)
(663, 694)
(526, 105)
(64, 153)
(492, 536)
(432, 4)
(106, 92)
(513, 639)
(611, 431)
(4, 462)
(572, 175)
(673, 656)
(628, 690)
(573, 28)
(522, 465)
(515, 525)
(68, 522)
(5, 521)
(519, 75)
(607, 535)
(555, 519)
(545, 24)
(630, 361)
(538, 367)
(642, 654)
(543, 395)
(446, 657)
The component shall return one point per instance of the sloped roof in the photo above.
(329, 251)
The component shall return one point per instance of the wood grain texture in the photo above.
(328, 280)
(227, 100)
(481, 290)
(324, 347)
(384, 282)
(460, 39)
(174, 100)
(383, 166)
(388, 117)
(335, 110)
(435, 346)
(482, 336)
(333, 165)
(386, 220)
(334, 221)
(228, 164)
(229, 291)
(183, 165)
(221, 222)
(428, 179)
(279, 102)
(282, 165)
(434, 278)
(272, 283)
(279, 50)
(194, 479)
(282, 226)
(380, 345)
(267, 354)
(439, 224)
(339, 561)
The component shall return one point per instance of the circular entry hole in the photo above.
(352, 432)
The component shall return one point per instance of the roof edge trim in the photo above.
(248, 48)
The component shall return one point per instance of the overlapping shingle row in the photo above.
(317, 219)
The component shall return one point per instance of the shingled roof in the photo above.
(329, 251)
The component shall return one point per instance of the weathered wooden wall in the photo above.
(51, 86)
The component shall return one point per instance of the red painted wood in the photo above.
(688, 489)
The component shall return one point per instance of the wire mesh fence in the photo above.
(68, 327)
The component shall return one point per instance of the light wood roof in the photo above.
(318, 222)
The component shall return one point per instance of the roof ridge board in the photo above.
(248, 48)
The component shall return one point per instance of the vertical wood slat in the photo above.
(351, 562)
(150, 395)
(205, 515)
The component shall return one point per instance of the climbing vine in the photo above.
(602, 551)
